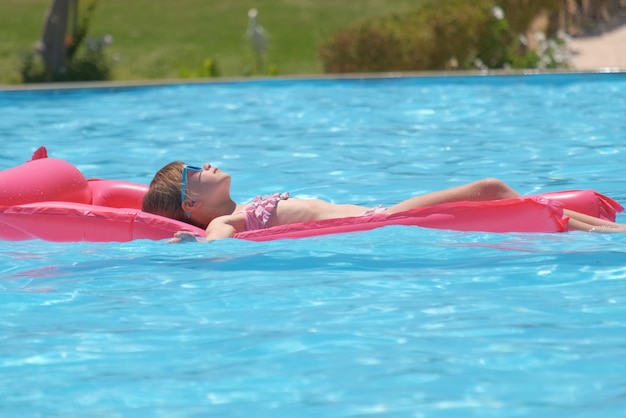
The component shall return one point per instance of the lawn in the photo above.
(154, 39)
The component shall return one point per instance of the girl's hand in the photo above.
(183, 236)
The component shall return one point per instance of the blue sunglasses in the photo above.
(183, 186)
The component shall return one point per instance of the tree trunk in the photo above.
(53, 38)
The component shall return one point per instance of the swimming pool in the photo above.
(398, 321)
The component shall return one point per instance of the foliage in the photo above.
(209, 68)
(81, 30)
(85, 59)
(266, 70)
(444, 34)
(88, 65)
(152, 40)
(521, 13)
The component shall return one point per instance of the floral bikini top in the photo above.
(259, 212)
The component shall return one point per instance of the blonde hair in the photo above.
(163, 196)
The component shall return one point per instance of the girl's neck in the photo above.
(228, 208)
(239, 207)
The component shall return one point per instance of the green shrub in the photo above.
(209, 68)
(84, 59)
(444, 34)
(521, 13)
(88, 65)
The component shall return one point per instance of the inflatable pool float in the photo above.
(50, 199)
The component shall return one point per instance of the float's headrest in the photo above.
(43, 180)
(117, 193)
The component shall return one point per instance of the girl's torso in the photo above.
(280, 209)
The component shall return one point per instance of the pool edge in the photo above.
(343, 76)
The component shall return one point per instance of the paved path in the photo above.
(601, 51)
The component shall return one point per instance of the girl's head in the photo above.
(206, 193)
(163, 196)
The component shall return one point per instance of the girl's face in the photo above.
(204, 184)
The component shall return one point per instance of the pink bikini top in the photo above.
(259, 212)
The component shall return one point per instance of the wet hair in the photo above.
(163, 196)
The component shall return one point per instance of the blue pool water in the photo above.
(396, 322)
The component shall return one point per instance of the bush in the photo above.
(208, 68)
(84, 59)
(444, 34)
(88, 66)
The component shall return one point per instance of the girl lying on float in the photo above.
(50, 199)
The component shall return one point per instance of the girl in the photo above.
(201, 196)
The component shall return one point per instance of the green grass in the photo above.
(155, 38)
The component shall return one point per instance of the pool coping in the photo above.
(342, 76)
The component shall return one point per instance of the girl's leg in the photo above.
(494, 189)
(581, 222)
(482, 190)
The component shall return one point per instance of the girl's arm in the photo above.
(286, 212)
(226, 226)
(219, 228)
